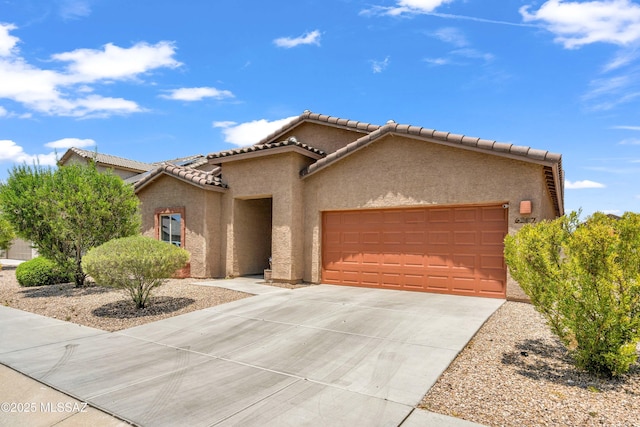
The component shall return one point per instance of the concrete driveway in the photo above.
(323, 355)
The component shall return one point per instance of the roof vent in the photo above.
(292, 139)
(389, 122)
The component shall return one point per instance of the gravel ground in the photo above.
(111, 309)
(515, 373)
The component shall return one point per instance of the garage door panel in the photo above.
(492, 237)
(392, 259)
(439, 215)
(371, 237)
(438, 261)
(414, 217)
(464, 262)
(465, 237)
(491, 262)
(455, 250)
(415, 237)
(466, 215)
(438, 237)
(392, 237)
(495, 214)
(414, 260)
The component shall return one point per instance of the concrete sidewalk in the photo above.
(323, 355)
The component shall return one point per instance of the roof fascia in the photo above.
(264, 153)
(153, 178)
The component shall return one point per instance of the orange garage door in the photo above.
(452, 250)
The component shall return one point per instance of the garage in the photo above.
(452, 249)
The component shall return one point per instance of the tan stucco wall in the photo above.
(399, 171)
(323, 137)
(277, 177)
(202, 220)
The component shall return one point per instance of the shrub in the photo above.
(585, 279)
(136, 264)
(41, 271)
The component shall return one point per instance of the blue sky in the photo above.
(154, 80)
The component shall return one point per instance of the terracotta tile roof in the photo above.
(308, 116)
(207, 180)
(290, 142)
(551, 161)
(107, 159)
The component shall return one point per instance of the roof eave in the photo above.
(152, 178)
(264, 153)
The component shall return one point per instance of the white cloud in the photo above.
(580, 185)
(248, 133)
(627, 127)
(7, 42)
(312, 37)
(117, 63)
(380, 66)
(12, 152)
(575, 24)
(406, 7)
(69, 92)
(473, 54)
(197, 94)
(70, 142)
(450, 35)
(437, 61)
(607, 93)
(630, 141)
(74, 9)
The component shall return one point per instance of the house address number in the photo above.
(525, 220)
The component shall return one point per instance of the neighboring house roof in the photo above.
(308, 116)
(551, 161)
(291, 144)
(194, 161)
(205, 180)
(106, 159)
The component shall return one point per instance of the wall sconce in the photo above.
(525, 207)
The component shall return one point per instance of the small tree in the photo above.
(585, 279)
(136, 264)
(68, 211)
(6, 234)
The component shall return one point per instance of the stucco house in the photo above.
(338, 201)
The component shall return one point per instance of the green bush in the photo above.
(136, 264)
(41, 271)
(584, 277)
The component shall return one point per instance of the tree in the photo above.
(67, 211)
(584, 277)
(6, 234)
(136, 264)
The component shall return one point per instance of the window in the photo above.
(171, 229)
(170, 225)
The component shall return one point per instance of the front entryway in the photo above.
(252, 235)
(454, 250)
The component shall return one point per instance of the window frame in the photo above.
(159, 213)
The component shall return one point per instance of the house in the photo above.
(350, 203)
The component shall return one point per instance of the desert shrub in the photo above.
(41, 271)
(136, 264)
(584, 277)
